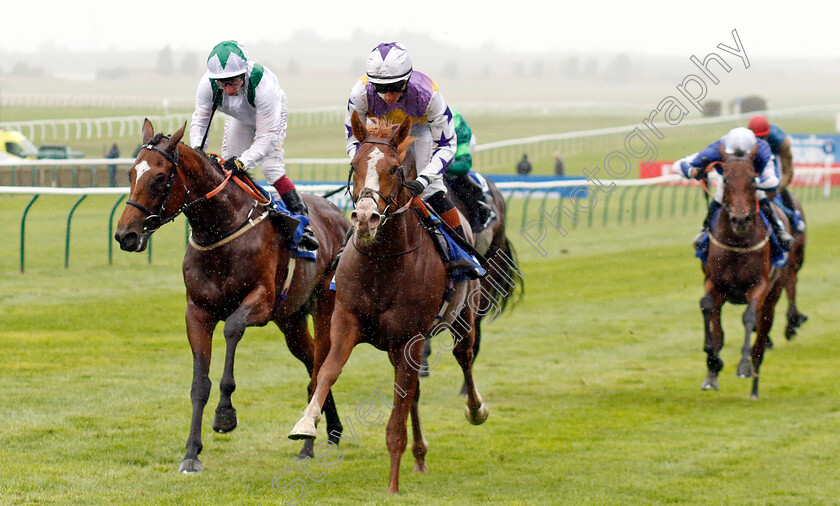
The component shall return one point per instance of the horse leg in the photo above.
(296, 331)
(476, 347)
(710, 306)
(765, 323)
(420, 446)
(795, 319)
(323, 316)
(200, 325)
(755, 303)
(344, 334)
(475, 411)
(406, 382)
(254, 310)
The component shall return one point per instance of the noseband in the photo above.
(390, 200)
(154, 220)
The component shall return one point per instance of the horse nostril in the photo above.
(127, 240)
(375, 218)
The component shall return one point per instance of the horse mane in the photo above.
(385, 128)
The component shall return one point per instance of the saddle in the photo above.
(461, 259)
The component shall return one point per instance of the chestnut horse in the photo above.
(391, 284)
(237, 268)
(739, 271)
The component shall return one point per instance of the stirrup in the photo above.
(697, 242)
(308, 241)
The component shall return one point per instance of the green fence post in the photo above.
(635, 199)
(67, 235)
(661, 201)
(647, 202)
(111, 230)
(23, 229)
(621, 204)
(674, 200)
(607, 206)
(525, 206)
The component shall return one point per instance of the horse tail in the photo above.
(506, 284)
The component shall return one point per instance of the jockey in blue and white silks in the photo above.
(738, 142)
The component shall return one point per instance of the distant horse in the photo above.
(739, 271)
(391, 284)
(237, 268)
(795, 318)
(499, 286)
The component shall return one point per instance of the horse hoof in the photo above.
(744, 369)
(308, 450)
(189, 466)
(478, 416)
(420, 467)
(225, 420)
(709, 386)
(304, 429)
(753, 397)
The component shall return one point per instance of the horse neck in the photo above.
(216, 214)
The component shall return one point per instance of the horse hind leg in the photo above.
(795, 319)
(475, 411)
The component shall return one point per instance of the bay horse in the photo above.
(790, 277)
(237, 269)
(499, 288)
(391, 285)
(739, 271)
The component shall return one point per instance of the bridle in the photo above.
(370, 193)
(154, 220)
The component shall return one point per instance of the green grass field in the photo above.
(593, 382)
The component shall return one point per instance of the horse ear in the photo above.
(176, 137)
(402, 131)
(753, 151)
(148, 131)
(723, 155)
(359, 130)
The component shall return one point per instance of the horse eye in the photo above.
(394, 169)
(160, 178)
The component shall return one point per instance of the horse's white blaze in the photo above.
(141, 168)
(372, 177)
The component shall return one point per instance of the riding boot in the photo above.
(794, 214)
(444, 207)
(296, 205)
(785, 239)
(714, 205)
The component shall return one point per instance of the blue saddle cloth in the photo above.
(294, 242)
(457, 255)
(793, 215)
(778, 256)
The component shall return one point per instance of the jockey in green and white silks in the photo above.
(255, 126)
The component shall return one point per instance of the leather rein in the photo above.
(154, 220)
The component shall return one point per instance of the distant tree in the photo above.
(538, 69)
(712, 108)
(590, 68)
(21, 69)
(753, 103)
(165, 65)
(189, 64)
(450, 70)
(292, 67)
(570, 68)
(618, 70)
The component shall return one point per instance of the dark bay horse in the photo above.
(499, 287)
(391, 285)
(237, 269)
(790, 278)
(739, 271)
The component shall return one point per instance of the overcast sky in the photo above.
(802, 28)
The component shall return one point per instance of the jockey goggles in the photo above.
(231, 81)
(395, 87)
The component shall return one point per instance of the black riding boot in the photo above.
(787, 201)
(785, 239)
(471, 194)
(714, 205)
(296, 205)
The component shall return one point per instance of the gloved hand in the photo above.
(417, 186)
(699, 174)
(234, 165)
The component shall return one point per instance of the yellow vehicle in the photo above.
(15, 146)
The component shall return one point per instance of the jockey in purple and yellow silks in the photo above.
(738, 142)
(391, 89)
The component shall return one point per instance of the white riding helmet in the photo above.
(739, 141)
(226, 60)
(388, 63)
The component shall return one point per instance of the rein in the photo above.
(747, 249)
(154, 220)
